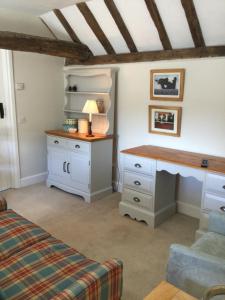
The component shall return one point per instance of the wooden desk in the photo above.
(149, 192)
(167, 291)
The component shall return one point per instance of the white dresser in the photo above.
(143, 198)
(149, 183)
(78, 166)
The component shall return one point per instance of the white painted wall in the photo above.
(39, 107)
(203, 120)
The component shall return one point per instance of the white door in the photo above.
(79, 170)
(5, 167)
(58, 165)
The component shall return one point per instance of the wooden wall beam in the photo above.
(154, 56)
(121, 25)
(90, 19)
(30, 43)
(193, 22)
(66, 25)
(153, 10)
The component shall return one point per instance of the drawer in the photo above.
(138, 199)
(79, 146)
(215, 183)
(213, 202)
(139, 182)
(56, 141)
(139, 164)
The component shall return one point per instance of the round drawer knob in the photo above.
(224, 187)
(222, 208)
(136, 182)
(56, 142)
(77, 146)
(137, 166)
(136, 199)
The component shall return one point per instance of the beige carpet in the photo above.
(98, 231)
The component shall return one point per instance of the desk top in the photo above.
(167, 291)
(79, 136)
(186, 158)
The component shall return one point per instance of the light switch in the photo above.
(20, 86)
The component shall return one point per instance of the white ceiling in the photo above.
(36, 7)
(211, 14)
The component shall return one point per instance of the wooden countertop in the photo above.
(79, 136)
(186, 158)
(167, 291)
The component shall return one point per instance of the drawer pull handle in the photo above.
(64, 167)
(222, 208)
(136, 199)
(77, 146)
(224, 187)
(137, 166)
(56, 142)
(136, 182)
(67, 167)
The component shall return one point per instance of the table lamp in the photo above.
(90, 107)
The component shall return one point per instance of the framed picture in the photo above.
(165, 120)
(167, 84)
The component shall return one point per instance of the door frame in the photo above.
(10, 100)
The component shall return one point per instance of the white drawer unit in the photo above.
(138, 199)
(213, 202)
(73, 165)
(139, 182)
(139, 164)
(142, 197)
(215, 183)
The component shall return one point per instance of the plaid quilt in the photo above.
(17, 233)
(42, 270)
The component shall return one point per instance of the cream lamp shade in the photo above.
(90, 107)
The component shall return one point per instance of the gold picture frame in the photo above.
(167, 84)
(165, 120)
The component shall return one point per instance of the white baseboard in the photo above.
(26, 181)
(188, 209)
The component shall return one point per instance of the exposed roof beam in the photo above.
(121, 25)
(66, 25)
(90, 19)
(153, 10)
(49, 29)
(30, 43)
(193, 22)
(154, 56)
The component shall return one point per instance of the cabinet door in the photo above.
(57, 162)
(79, 170)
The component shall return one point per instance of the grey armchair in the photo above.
(196, 268)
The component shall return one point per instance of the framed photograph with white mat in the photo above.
(167, 84)
(165, 120)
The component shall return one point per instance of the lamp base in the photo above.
(89, 130)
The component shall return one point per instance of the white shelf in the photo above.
(87, 93)
(80, 112)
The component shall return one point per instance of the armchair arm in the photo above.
(217, 222)
(193, 271)
(3, 204)
(105, 283)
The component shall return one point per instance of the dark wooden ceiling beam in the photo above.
(193, 22)
(66, 25)
(121, 25)
(154, 56)
(92, 22)
(30, 43)
(153, 10)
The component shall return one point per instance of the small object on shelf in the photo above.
(72, 130)
(83, 126)
(70, 88)
(70, 123)
(74, 88)
(204, 163)
(90, 107)
(100, 105)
